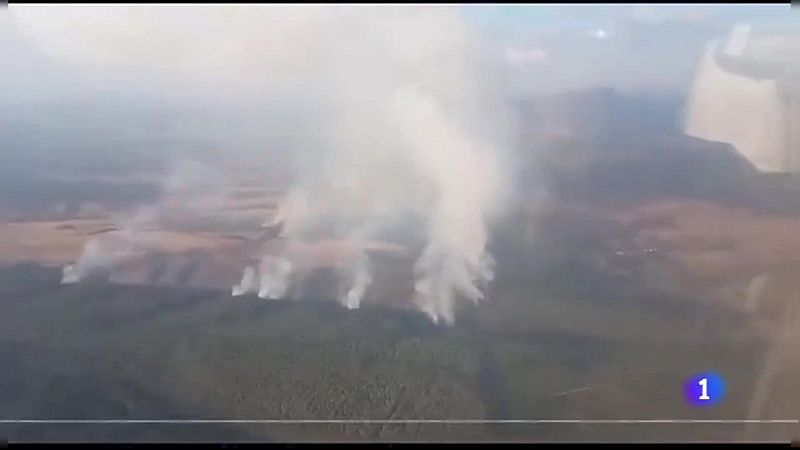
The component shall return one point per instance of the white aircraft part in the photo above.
(738, 40)
(755, 116)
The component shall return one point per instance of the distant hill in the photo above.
(601, 111)
(602, 145)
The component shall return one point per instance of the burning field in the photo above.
(153, 330)
(317, 213)
(239, 300)
(184, 250)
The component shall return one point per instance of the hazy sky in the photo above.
(555, 47)
(77, 107)
(549, 47)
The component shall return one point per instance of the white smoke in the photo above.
(100, 252)
(275, 272)
(360, 280)
(403, 117)
(247, 284)
(404, 140)
(189, 192)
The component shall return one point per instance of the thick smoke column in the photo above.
(360, 281)
(275, 273)
(403, 118)
(455, 260)
(409, 136)
(247, 284)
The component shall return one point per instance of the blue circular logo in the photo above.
(704, 389)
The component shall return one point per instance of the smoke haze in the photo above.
(372, 119)
(402, 111)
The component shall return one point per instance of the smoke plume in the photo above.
(188, 193)
(100, 253)
(400, 116)
(275, 272)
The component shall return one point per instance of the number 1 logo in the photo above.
(704, 389)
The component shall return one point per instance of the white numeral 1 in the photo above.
(704, 384)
